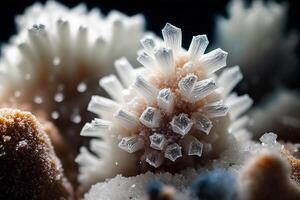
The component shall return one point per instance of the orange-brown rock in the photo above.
(29, 168)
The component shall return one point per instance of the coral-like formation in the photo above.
(279, 113)
(29, 168)
(169, 114)
(256, 39)
(55, 61)
(267, 176)
(52, 66)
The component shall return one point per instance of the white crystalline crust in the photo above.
(175, 109)
(260, 23)
(120, 188)
(233, 159)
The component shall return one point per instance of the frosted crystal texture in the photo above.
(151, 117)
(194, 91)
(214, 60)
(166, 99)
(149, 44)
(173, 108)
(112, 86)
(165, 60)
(202, 89)
(173, 152)
(202, 123)
(102, 106)
(194, 147)
(146, 60)
(157, 141)
(198, 46)
(122, 187)
(96, 128)
(181, 124)
(125, 70)
(186, 85)
(131, 144)
(172, 36)
(126, 119)
(145, 88)
(217, 109)
(155, 159)
(269, 140)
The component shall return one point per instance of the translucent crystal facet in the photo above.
(165, 60)
(146, 60)
(173, 152)
(157, 141)
(131, 144)
(126, 119)
(214, 60)
(166, 99)
(102, 106)
(151, 117)
(202, 123)
(186, 84)
(112, 86)
(202, 89)
(96, 128)
(270, 140)
(195, 148)
(217, 109)
(172, 36)
(181, 124)
(145, 88)
(198, 46)
(149, 44)
(125, 71)
(154, 159)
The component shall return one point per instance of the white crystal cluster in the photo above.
(255, 38)
(60, 53)
(174, 109)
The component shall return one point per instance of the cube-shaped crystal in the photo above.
(131, 144)
(173, 151)
(157, 141)
(154, 159)
(181, 124)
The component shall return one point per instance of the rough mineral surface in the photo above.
(267, 177)
(29, 168)
(295, 167)
(134, 188)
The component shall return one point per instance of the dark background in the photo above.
(193, 16)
